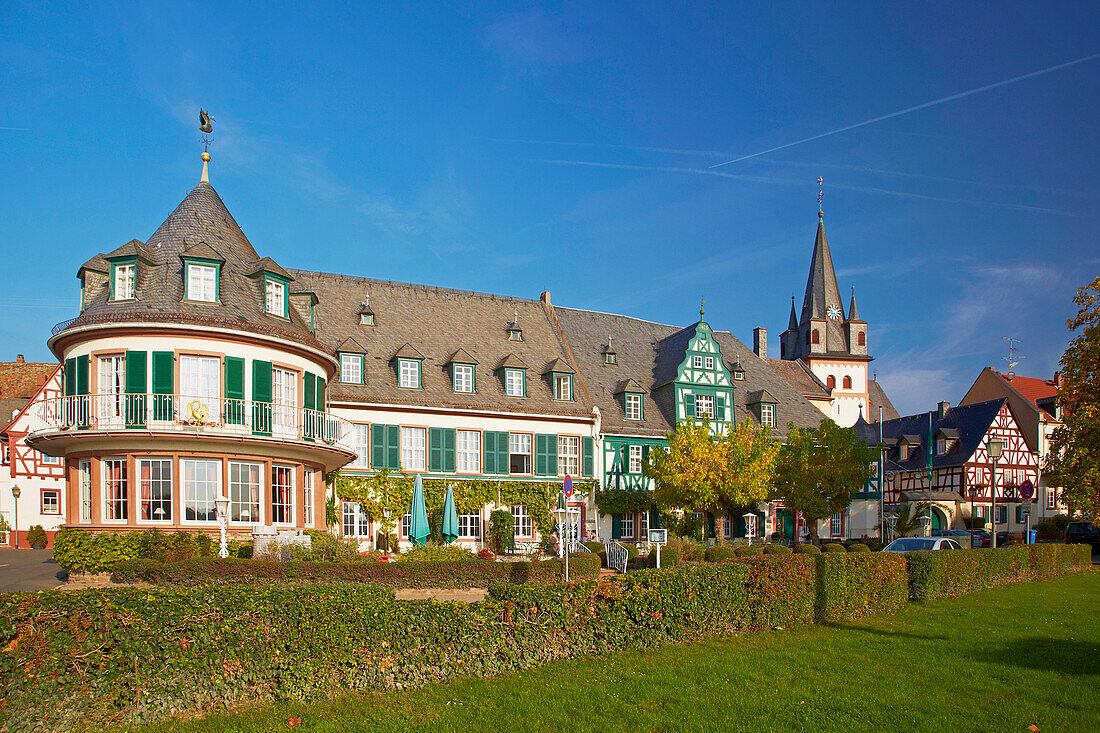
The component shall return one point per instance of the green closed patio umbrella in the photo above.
(418, 526)
(450, 518)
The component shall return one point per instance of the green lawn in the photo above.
(999, 660)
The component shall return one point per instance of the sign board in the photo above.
(1025, 508)
(1027, 489)
(658, 536)
(568, 487)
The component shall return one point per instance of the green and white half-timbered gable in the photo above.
(703, 388)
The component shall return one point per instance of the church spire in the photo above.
(822, 292)
(853, 312)
(793, 324)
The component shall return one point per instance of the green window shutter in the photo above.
(616, 527)
(68, 381)
(588, 448)
(689, 406)
(503, 458)
(321, 396)
(311, 426)
(489, 452)
(310, 396)
(82, 374)
(645, 455)
(377, 447)
(540, 455)
(393, 447)
(435, 449)
(626, 459)
(720, 408)
(163, 377)
(136, 362)
(261, 397)
(234, 388)
(551, 455)
(449, 449)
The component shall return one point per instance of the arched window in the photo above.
(831, 382)
(807, 338)
(847, 383)
(816, 337)
(862, 338)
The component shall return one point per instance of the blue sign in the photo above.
(568, 487)
(1027, 490)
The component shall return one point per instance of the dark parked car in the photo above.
(1083, 533)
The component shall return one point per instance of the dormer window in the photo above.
(202, 282)
(366, 315)
(275, 301)
(610, 357)
(633, 406)
(515, 333)
(767, 414)
(463, 375)
(941, 446)
(903, 451)
(515, 382)
(563, 386)
(736, 371)
(351, 368)
(123, 280)
(408, 373)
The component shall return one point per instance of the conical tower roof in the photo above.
(822, 298)
(792, 325)
(853, 312)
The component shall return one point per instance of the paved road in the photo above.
(29, 570)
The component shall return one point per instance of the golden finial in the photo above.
(702, 306)
(820, 197)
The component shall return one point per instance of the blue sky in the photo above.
(513, 148)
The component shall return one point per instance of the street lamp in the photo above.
(15, 492)
(561, 515)
(750, 526)
(994, 447)
(221, 503)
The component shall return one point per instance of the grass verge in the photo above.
(998, 660)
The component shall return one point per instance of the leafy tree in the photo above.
(1074, 457)
(717, 474)
(908, 519)
(819, 469)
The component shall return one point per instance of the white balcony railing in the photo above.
(186, 413)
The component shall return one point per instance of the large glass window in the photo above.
(569, 455)
(202, 282)
(704, 406)
(633, 407)
(626, 525)
(284, 398)
(413, 449)
(523, 525)
(519, 453)
(282, 495)
(155, 475)
(307, 498)
(409, 371)
(361, 443)
(85, 478)
(114, 490)
(469, 526)
(467, 451)
(464, 378)
(124, 281)
(513, 382)
(356, 522)
(202, 481)
(351, 368)
(112, 390)
(244, 492)
(200, 387)
(275, 300)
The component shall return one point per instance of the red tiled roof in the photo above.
(23, 378)
(1032, 389)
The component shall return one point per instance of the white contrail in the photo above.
(926, 105)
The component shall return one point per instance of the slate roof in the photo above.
(649, 353)
(9, 409)
(879, 399)
(800, 377)
(435, 323)
(823, 292)
(971, 421)
(200, 226)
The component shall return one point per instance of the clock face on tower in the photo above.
(833, 312)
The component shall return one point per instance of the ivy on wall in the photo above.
(623, 501)
(387, 495)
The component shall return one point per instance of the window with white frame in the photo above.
(563, 387)
(284, 399)
(114, 490)
(351, 368)
(406, 524)
(202, 282)
(360, 442)
(980, 512)
(569, 461)
(697, 362)
(468, 451)
(202, 482)
(1052, 498)
(941, 446)
(307, 498)
(200, 380)
(409, 373)
(112, 388)
(626, 525)
(767, 414)
(282, 494)
(836, 524)
(155, 485)
(51, 501)
(727, 526)
(463, 378)
(275, 300)
(696, 516)
(513, 382)
(523, 526)
(49, 460)
(633, 406)
(643, 525)
(85, 491)
(413, 449)
(519, 453)
(635, 462)
(709, 362)
(704, 406)
(469, 526)
(125, 276)
(244, 492)
(356, 522)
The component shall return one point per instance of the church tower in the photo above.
(830, 343)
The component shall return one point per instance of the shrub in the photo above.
(82, 551)
(486, 554)
(631, 550)
(948, 573)
(749, 550)
(596, 547)
(715, 554)
(858, 547)
(806, 550)
(773, 549)
(438, 553)
(833, 547)
(205, 545)
(853, 585)
(36, 535)
(501, 531)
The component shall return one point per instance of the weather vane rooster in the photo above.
(207, 129)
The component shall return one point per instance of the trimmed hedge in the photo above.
(473, 573)
(776, 549)
(749, 550)
(717, 553)
(807, 550)
(833, 547)
(851, 585)
(858, 547)
(949, 573)
(85, 551)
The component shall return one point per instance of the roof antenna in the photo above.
(820, 197)
(207, 129)
(1013, 357)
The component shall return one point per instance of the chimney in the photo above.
(760, 342)
(1058, 380)
(19, 359)
(942, 408)
(545, 297)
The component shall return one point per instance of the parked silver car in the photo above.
(911, 544)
